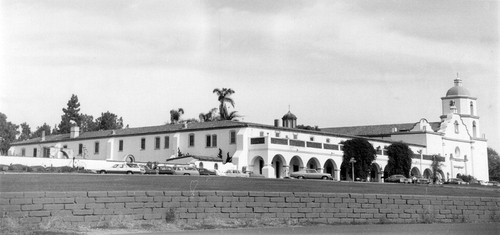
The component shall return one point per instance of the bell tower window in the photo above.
(474, 129)
(456, 127)
(471, 108)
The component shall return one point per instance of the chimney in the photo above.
(75, 132)
(43, 135)
(276, 123)
(394, 129)
(185, 125)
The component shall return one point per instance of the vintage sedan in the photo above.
(123, 168)
(185, 170)
(165, 170)
(235, 173)
(397, 179)
(310, 174)
(204, 171)
(455, 181)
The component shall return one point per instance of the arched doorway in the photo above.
(296, 164)
(313, 163)
(330, 167)
(258, 164)
(278, 165)
(201, 165)
(375, 173)
(129, 158)
(427, 173)
(415, 172)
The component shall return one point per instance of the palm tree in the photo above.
(209, 117)
(223, 97)
(175, 115)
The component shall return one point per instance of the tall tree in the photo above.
(436, 166)
(210, 116)
(493, 165)
(223, 98)
(109, 121)
(40, 129)
(88, 123)
(71, 113)
(399, 159)
(8, 132)
(25, 131)
(362, 152)
(175, 115)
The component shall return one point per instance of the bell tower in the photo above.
(459, 100)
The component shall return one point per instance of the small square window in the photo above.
(209, 141)
(80, 149)
(191, 140)
(96, 147)
(295, 136)
(277, 134)
(167, 142)
(328, 140)
(311, 138)
(143, 143)
(214, 140)
(232, 135)
(157, 142)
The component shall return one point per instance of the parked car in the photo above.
(123, 168)
(493, 183)
(235, 173)
(204, 171)
(397, 179)
(455, 181)
(165, 170)
(186, 170)
(149, 171)
(310, 174)
(421, 181)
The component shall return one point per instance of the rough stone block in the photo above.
(11, 194)
(83, 212)
(32, 207)
(21, 201)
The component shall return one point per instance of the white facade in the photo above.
(275, 151)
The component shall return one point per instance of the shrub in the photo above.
(466, 178)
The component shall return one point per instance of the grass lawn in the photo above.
(26, 182)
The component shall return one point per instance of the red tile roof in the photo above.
(377, 130)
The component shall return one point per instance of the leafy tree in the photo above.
(88, 123)
(364, 154)
(436, 168)
(40, 129)
(25, 131)
(109, 121)
(210, 116)
(71, 113)
(8, 132)
(175, 115)
(190, 120)
(399, 159)
(315, 128)
(223, 98)
(493, 165)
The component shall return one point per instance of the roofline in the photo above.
(241, 125)
(458, 96)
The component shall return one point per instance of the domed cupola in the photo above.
(458, 90)
(289, 120)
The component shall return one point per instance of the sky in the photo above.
(332, 63)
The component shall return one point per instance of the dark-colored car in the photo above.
(204, 171)
(149, 171)
(310, 174)
(165, 170)
(397, 179)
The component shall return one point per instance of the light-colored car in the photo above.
(310, 174)
(493, 183)
(235, 173)
(455, 181)
(123, 168)
(185, 170)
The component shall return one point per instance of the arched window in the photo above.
(201, 165)
(471, 108)
(474, 129)
(452, 103)
(457, 152)
(456, 127)
(216, 167)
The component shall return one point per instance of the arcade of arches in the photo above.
(279, 167)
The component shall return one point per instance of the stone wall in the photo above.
(96, 207)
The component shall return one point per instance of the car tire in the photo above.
(130, 173)
(300, 177)
(324, 178)
(186, 174)
(102, 172)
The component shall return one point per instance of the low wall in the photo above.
(54, 162)
(96, 207)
